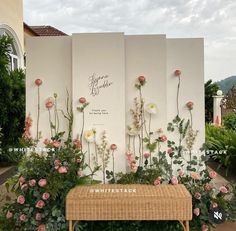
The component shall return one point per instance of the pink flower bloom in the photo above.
(9, 215)
(163, 138)
(113, 147)
(38, 82)
(42, 182)
(174, 180)
(196, 211)
(207, 187)
(195, 176)
(62, 169)
(24, 187)
(28, 124)
(141, 79)
(46, 141)
(133, 166)
(214, 205)
(212, 174)
(49, 103)
(204, 227)
(23, 217)
(77, 143)
(198, 195)
(80, 173)
(189, 105)
(82, 100)
(181, 172)
(22, 179)
(170, 151)
(38, 216)
(146, 155)
(177, 73)
(157, 181)
(45, 196)
(21, 199)
(32, 183)
(56, 143)
(223, 189)
(41, 227)
(57, 162)
(40, 204)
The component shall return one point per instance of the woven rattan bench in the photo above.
(129, 202)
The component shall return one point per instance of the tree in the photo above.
(210, 90)
(12, 102)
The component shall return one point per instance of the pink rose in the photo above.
(42, 182)
(196, 211)
(22, 180)
(49, 103)
(45, 196)
(141, 79)
(181, 172)
(195, 176)
(56, 143)
(38, 216)
(163, 138)
(82, 100)
(212, 174)
(32, 183)
(177, 73)
(21, 199)
(207, 187)
(80, 173)
(46, 141)
(77, 143)
(57, 162)
(62, 169)
(38, 82)
(204, 227)
(174, 180)
(113, 147)
(40, 204)
(198, 195)
(9, 215)
(157, 181)
(189, 105)
(41, 227)
(24, 187)
(23, 217)
(214, 205)
(146, 155)
(223, 189)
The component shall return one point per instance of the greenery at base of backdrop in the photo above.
(44, 178)
(12, 104)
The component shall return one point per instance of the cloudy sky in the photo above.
(215, 20)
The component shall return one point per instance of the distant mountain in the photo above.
(226, 84)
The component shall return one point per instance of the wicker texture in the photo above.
(143, 202)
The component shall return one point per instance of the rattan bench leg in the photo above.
(70, 225)
(187, 225)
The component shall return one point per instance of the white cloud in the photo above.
(215, 20)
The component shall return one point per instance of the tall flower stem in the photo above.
(50, 122)
(38, 114)
(134, 145)
(177, 98)
(88, 153)
(142, 122)
(191, 118)
(82, 130)
(113, 164)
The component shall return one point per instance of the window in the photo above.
(14, 59)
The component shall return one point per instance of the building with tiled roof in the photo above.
(42, 31)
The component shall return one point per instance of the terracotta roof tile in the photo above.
(47, 31)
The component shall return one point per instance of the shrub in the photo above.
(230, 121)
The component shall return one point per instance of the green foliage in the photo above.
(12, 103)
(227, 83)
(221, 145)
(210, 90)
(229, 121)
